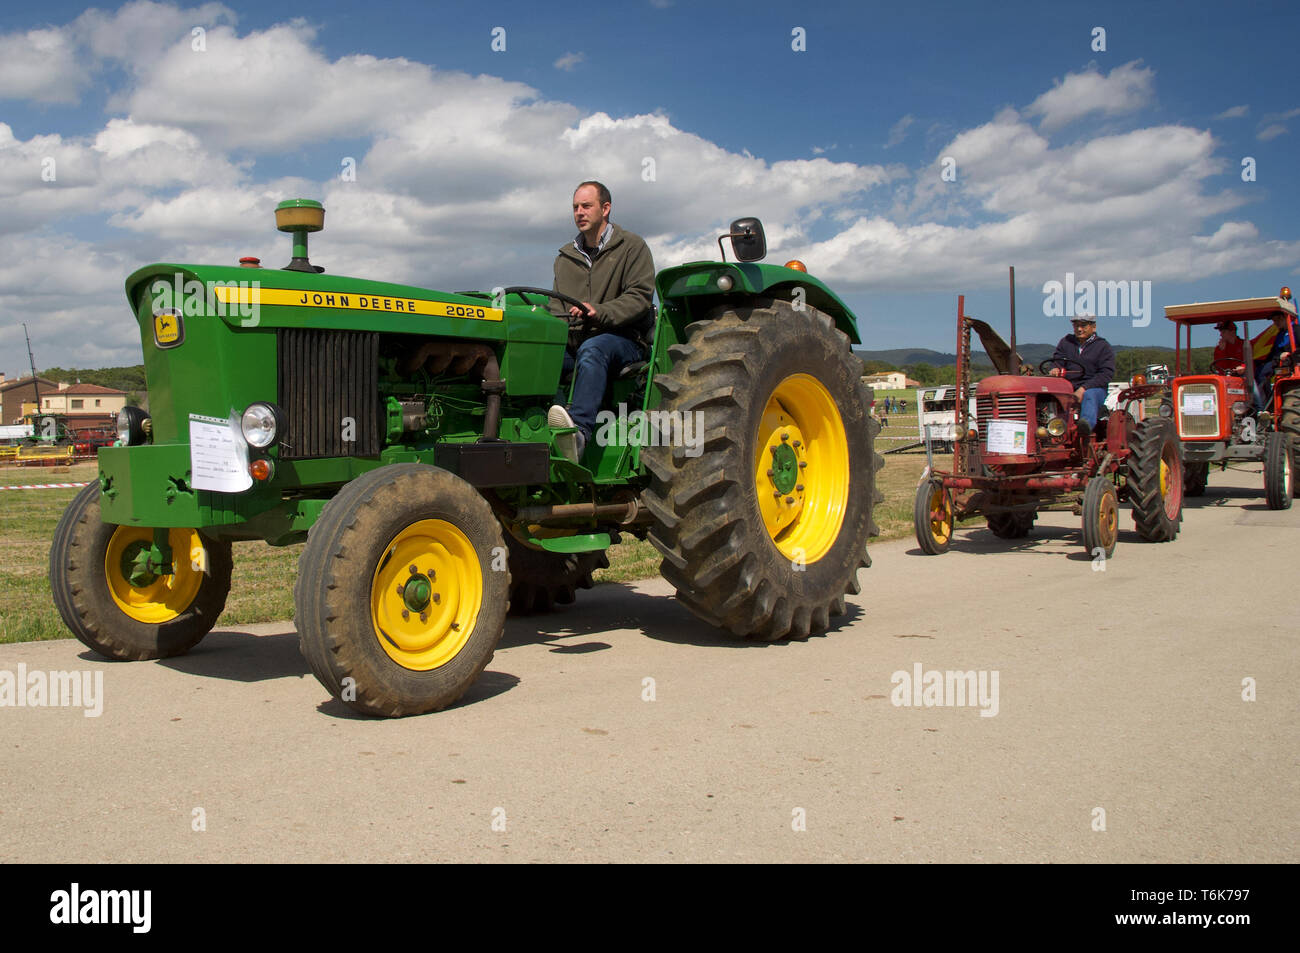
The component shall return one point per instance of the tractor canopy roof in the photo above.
(1243, 309)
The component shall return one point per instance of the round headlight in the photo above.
(132, 426)
(1056, 426)
(725, 282)
(1166, 409)
(1239, 408)
(262, 425)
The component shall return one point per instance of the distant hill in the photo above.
(1032, 353)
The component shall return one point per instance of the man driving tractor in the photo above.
(1087, 361)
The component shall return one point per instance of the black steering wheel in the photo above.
(1045, 367)
(1226, 365)
(522, 290)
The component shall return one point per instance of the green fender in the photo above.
(687, 292)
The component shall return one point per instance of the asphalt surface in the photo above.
(1119, 704)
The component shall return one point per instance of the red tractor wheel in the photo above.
(1155, 480)
(1100, 517)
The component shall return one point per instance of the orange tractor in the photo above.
(1228, 416)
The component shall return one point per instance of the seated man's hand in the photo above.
(1078, 393)
(576, 312)
(1057, 371)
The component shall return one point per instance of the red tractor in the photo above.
(1024, 452)
(1218, 417)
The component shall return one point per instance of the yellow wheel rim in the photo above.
(163, 598)
(940, 515)
(1164, 478)
(425, 595)
(801, 468)
(1108, 519)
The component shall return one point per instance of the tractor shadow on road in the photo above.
(248, 657)
(1246, 497)
(1050, 541)
(620, 610)
(243, 657)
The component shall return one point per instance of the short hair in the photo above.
(601, 192)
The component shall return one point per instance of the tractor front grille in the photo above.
(1009, 407)
(329, 391)
(1203, 402)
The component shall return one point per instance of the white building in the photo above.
(893, 380)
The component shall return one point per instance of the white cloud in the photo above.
(41, 65)
(57, 64)
(1125, 89)
(898, 132)
(569, 61)
(1269, 133)
(1235, 112)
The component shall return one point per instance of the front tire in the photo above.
(158, 616)
(1155, 480)
(1277, 471)
(932, 518)
(402, 590)
(1196, 476)
(763, 522)
(1100, 517)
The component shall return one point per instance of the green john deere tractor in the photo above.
(402, 433)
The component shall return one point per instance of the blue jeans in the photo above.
(1093, 398)
(598, 357)
(1264, 384)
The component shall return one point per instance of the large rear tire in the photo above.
(763, 522)
(1012, 525)
(402, 590)
(1155, 480)
(1100, 517)
(1277, 471)
(153, 617)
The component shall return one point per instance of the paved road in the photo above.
(1118, 692)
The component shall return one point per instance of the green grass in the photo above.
(262, 584)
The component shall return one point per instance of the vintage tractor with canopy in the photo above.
(1219, 420)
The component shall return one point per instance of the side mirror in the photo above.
(747, 239)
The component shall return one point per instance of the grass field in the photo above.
(262, 587)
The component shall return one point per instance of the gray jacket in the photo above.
(618, 282)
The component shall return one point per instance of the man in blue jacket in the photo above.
(1090, 367)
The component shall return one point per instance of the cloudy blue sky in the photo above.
(1122, 163)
